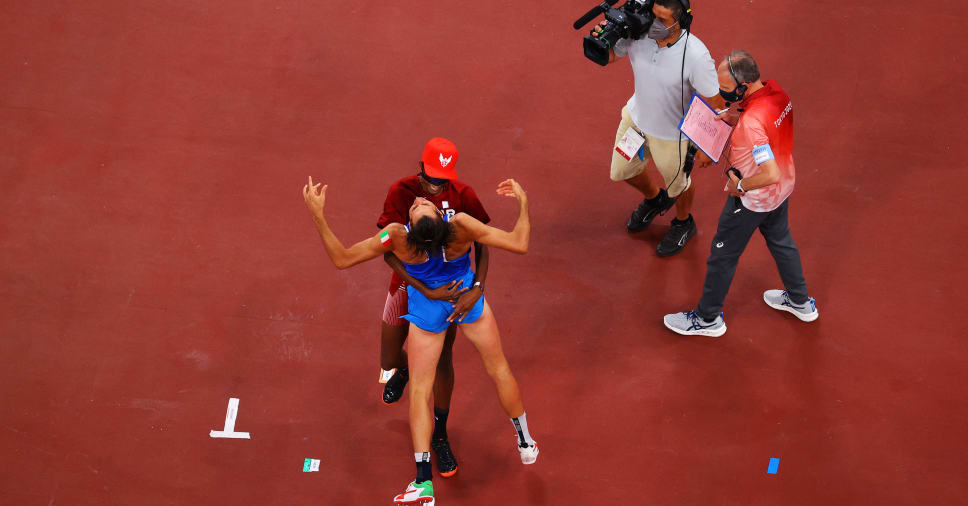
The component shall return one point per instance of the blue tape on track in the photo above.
(774, 465)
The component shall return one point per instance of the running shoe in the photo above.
(446, 462)
(646, 212)
(417, 494)
(393, 390)
(689, 323)
(529, 454)
(780, 299)
(679, 234)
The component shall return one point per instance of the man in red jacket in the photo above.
(436, 182)
(761, 178)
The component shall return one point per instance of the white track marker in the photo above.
(229, 431)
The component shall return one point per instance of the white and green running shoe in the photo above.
(417, 494)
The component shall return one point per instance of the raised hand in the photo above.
(511, 188)
(315, 196)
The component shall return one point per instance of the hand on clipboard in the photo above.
(705, 128)
(731, 114)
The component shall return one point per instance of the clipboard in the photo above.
(705, 129)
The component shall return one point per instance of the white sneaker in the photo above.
(529, 455)
(780, 299)
(689, 323)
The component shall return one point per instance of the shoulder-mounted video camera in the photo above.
(631, 20)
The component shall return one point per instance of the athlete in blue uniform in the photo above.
(434, 315)
(435, 252)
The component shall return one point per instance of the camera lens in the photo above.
(596, 50)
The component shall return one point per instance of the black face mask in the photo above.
(733, 96)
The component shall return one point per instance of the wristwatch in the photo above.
(479, 285)
(739, 186)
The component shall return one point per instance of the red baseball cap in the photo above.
(440, 158)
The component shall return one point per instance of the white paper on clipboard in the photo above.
(705, 129)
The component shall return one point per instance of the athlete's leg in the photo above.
(393, 332)
(483, 334)
(392, 354)
(443, 388)
(424, 352)
(444, 383)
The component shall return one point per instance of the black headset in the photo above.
(685, 19)
(740, 87)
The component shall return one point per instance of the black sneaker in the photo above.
(648, 210)
(446, 462)
(393, 390)
(679, 234)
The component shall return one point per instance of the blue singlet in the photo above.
(436, 271)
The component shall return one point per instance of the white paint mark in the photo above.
(200, 358)
(229, 431)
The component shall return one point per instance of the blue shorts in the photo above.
(431, 315)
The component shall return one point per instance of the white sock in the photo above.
(421, 456)
(521, 427)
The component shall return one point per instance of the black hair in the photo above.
(430, 235)
(674, 5)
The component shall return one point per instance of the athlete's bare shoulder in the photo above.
(395, 229)
(464, 220)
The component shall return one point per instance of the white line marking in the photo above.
(230, 414)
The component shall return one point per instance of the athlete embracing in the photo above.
(435, 249)
(436, 182)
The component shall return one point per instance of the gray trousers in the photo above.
(736, 227)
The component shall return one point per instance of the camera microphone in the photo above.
(593, 13)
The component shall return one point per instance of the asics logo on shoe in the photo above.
(682, 240)
(445, 161)
(719, 245)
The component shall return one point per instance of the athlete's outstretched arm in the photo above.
(515, 241)
(341, 256)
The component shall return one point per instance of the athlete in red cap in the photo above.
(436, 182)
(436, 249)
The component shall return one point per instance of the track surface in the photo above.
(156, 258)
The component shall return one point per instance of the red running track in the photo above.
(156, 258)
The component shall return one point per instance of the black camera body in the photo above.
(631, 20)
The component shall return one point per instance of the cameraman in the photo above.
(668, 65)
